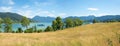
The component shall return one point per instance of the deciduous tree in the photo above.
(8, 24)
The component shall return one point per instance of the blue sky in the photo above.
(63, 8)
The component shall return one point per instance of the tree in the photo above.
(80, 22)
(48, 29)
(95, 21)
(69, 23)
(1, 24)
(54, 23)
(13, 32)
(19, 30)
(25, 22)
(35, 28)
(30, 30)
(59, 24)
(38, 31)
(77, 22)
(8, 24)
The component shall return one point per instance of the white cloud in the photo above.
(93, 9)
(11, 2)
(6, 9)
(103, 14)
(31, 13)
(27, 13)
(7, 2)
(46, 13)
(51, 13)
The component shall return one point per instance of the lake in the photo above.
(15, 26)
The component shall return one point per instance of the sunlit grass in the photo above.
(99, 34)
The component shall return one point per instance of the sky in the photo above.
(62, 8)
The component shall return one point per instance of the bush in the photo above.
(30, 30)
(38, 31)
(95, 21)
(19, 30)
(0, 31)
(13, 32)
(48, 29)
(69, 23)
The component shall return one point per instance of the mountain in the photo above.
(108, 18)
(14, 16)
(101, 18)
(43, 19)
(17, 18)
(85, 18)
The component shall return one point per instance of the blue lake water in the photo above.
(15, 26)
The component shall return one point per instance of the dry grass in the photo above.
(100, 34)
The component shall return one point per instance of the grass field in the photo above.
(99, 34)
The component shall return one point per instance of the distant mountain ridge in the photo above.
(43, 19)
(17, 18)
(108, 18)
(84, 18)
(14, 16)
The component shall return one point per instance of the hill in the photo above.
(43, 19)
(101, 18)
(99, 34)
(84, 18)
(108, 18)
(14, 16)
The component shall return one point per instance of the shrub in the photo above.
(38, 31)
(19, 30)
(48, 29)
(30, 30)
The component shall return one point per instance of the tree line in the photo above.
(57, 24)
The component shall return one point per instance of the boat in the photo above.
(40, 25)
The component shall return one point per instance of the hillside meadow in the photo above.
(99, 34)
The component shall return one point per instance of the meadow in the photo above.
(98, 34)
